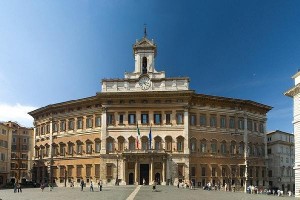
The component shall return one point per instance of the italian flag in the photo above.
(138, 136)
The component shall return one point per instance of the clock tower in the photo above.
(145, 77)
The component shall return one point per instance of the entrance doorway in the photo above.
(157, 178)
(144, 173)
(131, 179)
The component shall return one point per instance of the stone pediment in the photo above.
(144, 42)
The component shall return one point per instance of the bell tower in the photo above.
(144, 52)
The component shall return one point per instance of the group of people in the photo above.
(91, 185)
(186, 184)
(17, 187)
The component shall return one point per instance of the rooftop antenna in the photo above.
(145, 30)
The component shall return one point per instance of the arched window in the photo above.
(193, 144)
(144, 65)
(109, 144)
(168, 140)
(213, 146)
(121, 141)
(233, 147)
(223, 147)
(144, 140)
(131, 141)
(180, 141)
(203, 146)
(157, 141)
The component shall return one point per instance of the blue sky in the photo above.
(54, 51)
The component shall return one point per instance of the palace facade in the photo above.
(150, 127)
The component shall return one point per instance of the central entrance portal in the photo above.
(144, 173)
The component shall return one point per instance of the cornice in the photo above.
(293, 91)
(234, 101)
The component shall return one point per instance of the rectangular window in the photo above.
(193, 120)
(168, 118)
(193, 171)
(255, 126)
(62, 150)
(88, 170)
(179, 118)
(54, 126)
(249, 125)
(3, 131)
(241, 124)
(223, 121)
(89, 122)
(203, 171)
(131, 119)
(121, 119)
(144, 118)
(48, 128)
(261, 127)
(157, 118)
(62, 125)
(231, 122)
(109, 170)
(213, 171)
(213, 121)
(97, 170)
(202, 120)
(98, 121)
(70, 149)
(71, 124)
(79, 123)
(110, 119)
(78, 170)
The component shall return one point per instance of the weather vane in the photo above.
(145, 30)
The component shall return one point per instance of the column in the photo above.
(151, 171)
(103, 131)
(124, 172)
(163, 172)
(246, 152)
(186, 130)
(136, 172)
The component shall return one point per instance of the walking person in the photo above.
(100, 185)
(154, 186)
(15, 187)
(19, 187)
(42, 187)
(82, 184)
(91, 187)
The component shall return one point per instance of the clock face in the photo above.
(145, 82)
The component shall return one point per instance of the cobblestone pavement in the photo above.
(123, 192)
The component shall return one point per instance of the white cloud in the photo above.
(16, 113)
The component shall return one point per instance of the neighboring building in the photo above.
(281, 158)
(21, 152)
(5, 151)
(183, 135)
(295, 93)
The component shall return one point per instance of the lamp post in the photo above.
(117, 179)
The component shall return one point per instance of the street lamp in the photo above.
(117, 179)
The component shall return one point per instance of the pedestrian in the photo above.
(154, 186)
(91, 187)
(225, 188)
(144, 181)
(82, 184)
(178, 184)
(15, 187)
(42, 187)
(100, 185)
(19, 187)
(50, 187)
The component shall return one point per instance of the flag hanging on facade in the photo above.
(138, 136)
(150, 138)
